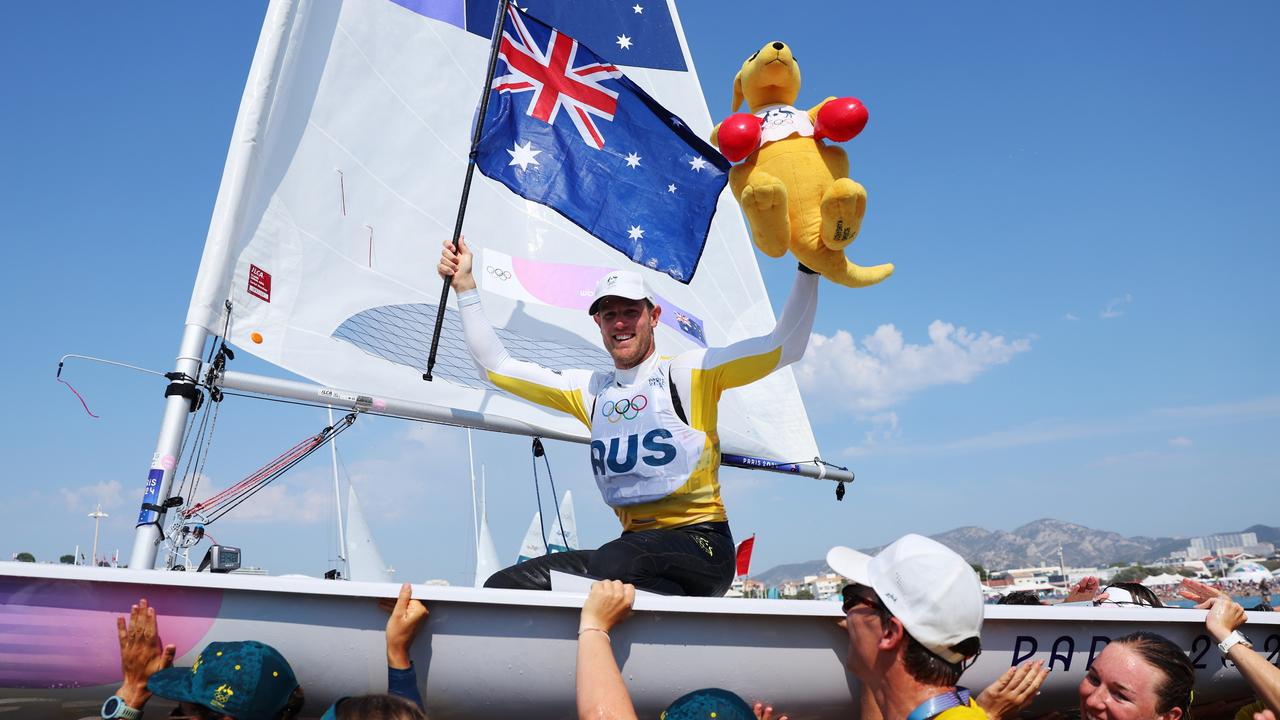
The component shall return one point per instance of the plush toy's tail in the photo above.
(854, 275)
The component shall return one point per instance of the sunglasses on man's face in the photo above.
(853, 597)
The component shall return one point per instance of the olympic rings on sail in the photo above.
(624, 409)
(498, 273)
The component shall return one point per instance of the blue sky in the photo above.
(1080, 200)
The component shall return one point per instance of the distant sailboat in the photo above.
(364, 561)
(486, 554)
(563, 533)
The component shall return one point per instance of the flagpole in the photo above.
(495, 42)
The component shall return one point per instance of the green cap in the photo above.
(246, 680)
(708, 704)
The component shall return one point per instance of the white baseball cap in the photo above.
(925, 584)
(620, 283)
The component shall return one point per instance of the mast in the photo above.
(213, 278)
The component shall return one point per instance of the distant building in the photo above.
(754, 589)
(825, 586)
(1227, 544)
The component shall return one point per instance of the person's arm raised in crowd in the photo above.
(565, 390)
(407, 617)
(601, 693)
(1225, 615)
(141, 653)
(1013, 691)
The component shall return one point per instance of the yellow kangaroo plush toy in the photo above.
(793, 187)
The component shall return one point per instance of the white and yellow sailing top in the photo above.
(655, 452)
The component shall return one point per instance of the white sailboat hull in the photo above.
(491, 653)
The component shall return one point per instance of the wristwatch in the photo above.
(116, 707)
(1235, 638)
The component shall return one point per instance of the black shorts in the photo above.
(691, 560)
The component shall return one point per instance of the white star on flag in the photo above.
(633, 160)
(635, 233)
(675, 122)
(639, 10)
(698, 163)
(671, 188)
(624, 42)
(523, 155)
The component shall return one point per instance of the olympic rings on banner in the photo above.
(624, 409)
(499, 273)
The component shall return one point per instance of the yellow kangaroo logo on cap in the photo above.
(222, 695)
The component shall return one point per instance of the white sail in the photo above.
(355, 183)
(364, 562)
(561, 533)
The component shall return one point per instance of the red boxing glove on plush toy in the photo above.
(739, 136)
(840, 119)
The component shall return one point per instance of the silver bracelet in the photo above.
(602, 632)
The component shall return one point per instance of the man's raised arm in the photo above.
(563, 391)
(749, 360)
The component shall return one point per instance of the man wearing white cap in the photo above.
(655, 452)
(913, 613)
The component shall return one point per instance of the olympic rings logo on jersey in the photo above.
(624, 409)
(499, 273)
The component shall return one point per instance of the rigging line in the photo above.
(265, 471)
(342, 425)
(78, 397)
(226, 325)
(196, 450)
(274, 468)
(555, 498)
(106, 362)
(200, 450)
(213, 426)
(546, 547)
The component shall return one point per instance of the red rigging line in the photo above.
(270, 471)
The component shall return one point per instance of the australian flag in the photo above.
(567, 129)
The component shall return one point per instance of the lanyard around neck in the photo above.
(939, 704)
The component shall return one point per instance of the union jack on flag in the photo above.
(556, 81)
(568, 129)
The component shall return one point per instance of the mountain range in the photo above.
(1033, 544)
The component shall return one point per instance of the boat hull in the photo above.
(486, 653)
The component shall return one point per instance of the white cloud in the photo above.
(884, 428)
(87, 497)
(1071, 316)
(1115, 307)
(1055, 431)
(882, 369)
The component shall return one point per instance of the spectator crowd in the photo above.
(913, 615)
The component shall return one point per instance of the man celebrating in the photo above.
(655, 452)
(913, 613)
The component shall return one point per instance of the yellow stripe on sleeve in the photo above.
(566, 401)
